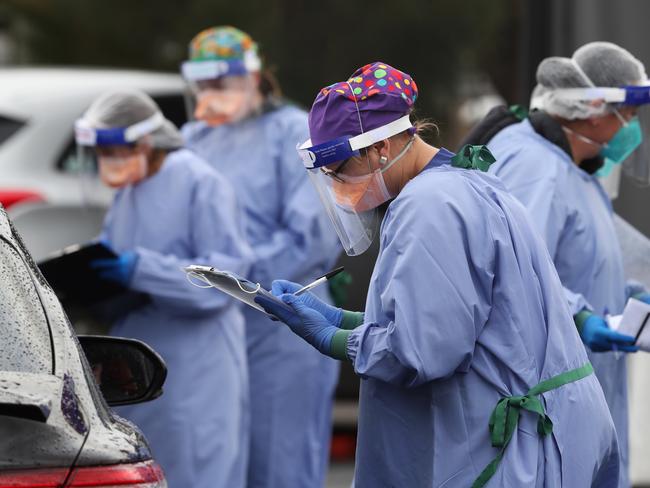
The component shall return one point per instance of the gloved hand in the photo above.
(332, 314)
(644, 297)
(303, 320)
(119, 269)
(599, 337)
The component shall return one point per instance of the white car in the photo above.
(52, 203)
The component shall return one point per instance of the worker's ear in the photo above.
(598, 120)
(597, 103)
(382, 149)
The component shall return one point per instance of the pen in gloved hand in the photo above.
(319, 281)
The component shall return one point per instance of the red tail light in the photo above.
(140, 475)
(12, 197)
(343, 446)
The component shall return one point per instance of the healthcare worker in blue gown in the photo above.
(245, 131)
(547, 161)
(472, 371)
(172, 210)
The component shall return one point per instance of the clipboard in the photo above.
(638, 334)
(69, 273)
(231, 284)
(634, 322)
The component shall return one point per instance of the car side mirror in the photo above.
(127, 371)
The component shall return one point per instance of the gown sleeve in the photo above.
(217, 239)
(549, 216)
(538, 190)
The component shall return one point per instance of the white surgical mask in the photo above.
(365, 192)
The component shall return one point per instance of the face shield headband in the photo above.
(634, 95)
(344, 148)
(86, 135)
(198, 70)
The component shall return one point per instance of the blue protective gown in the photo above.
(574, 216)
(465, 307)
(187, 214)
(291, 384)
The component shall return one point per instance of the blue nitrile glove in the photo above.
(304, 321)
(597, 335)
(644, 297)
(119, 269)
(332, 314)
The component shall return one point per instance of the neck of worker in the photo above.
(415, 160)
(581, 149)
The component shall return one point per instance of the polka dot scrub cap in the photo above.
(374, 96)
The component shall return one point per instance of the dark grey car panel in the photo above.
(28, 395)
(78, 416)
(26, 349)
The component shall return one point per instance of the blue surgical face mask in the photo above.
(624, 142)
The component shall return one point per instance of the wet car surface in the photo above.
(56, 426)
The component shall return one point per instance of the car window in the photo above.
(24, 330)
(8, 127)
(172, 106)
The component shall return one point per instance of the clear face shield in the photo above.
(221, 92)
(350, 189)
(637, 164)
(355, 226)
(115, 154)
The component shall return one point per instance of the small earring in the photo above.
(382, 160)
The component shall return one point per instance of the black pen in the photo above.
(319, 281)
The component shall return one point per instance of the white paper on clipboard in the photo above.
(635, 322)
(237, 287)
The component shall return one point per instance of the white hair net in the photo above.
(597, 64)
(127, 107)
